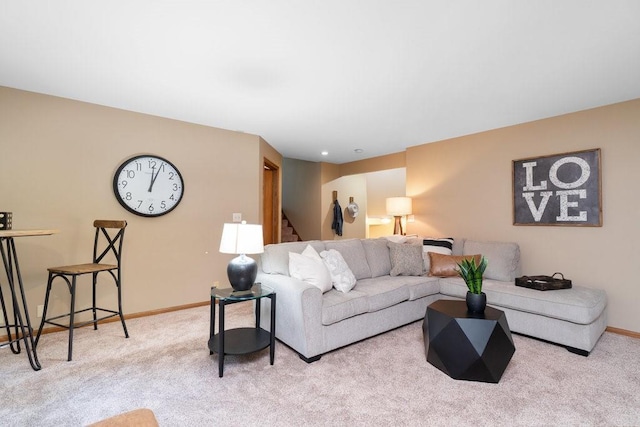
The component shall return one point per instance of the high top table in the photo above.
(22, 323)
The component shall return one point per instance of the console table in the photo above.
(18, 303)
(241, 340)
(467, 346)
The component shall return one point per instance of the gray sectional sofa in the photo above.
(313, 322)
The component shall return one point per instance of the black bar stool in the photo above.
(108, 240)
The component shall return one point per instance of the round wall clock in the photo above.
(148, 185)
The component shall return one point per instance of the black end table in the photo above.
(467, 346)
(241, 340)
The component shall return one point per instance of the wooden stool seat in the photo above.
(82, 268)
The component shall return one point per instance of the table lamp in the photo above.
(398, 207)
(242, 239)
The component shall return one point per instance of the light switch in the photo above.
(237, 217)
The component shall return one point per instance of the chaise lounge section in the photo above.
(393, 289)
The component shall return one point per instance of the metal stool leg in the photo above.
(44, 310)
(126, 333)
(93, 307)
(71, 316)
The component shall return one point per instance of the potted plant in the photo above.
(472, 274)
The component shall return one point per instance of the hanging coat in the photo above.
(336, 225)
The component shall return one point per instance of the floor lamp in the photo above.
(398, 207)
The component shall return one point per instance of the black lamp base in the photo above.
(242, 272)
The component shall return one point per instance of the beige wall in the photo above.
(374, 164)
(56, 169)
(347, 186)
(383, 176)
(462, 187)
(301, 197)
(380, 185)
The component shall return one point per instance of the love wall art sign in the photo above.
(562, 189)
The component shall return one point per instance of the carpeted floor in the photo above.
(385, 380)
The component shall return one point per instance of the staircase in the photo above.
(288, 233)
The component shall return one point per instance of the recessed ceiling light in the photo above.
(325, 153)
(358, 150)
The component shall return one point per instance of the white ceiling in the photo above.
(335, 75)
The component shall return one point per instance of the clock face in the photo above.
(148, 185)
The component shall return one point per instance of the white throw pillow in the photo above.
(310, 269)
(341, 275)
(310, 252)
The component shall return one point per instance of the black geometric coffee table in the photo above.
(466, 346)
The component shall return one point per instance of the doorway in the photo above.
(270, 203)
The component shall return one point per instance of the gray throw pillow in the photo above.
(406, 259)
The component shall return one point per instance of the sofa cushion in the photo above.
(341, 276)
(275, 258)
(309, 267)
(503, 258)
(383, 292)
(353, 253)
(377, 253)
(406, 259)
(447, 265)
(422, 286)
(337, 306)
(577, 305)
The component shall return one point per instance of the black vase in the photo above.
(476, 303)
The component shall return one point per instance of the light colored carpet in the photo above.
(385, 380)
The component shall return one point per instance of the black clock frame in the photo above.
(127, 207)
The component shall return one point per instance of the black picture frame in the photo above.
(560, 189)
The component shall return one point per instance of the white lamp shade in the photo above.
(398, 206)
(242, 238)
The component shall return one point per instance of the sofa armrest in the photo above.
(298, 313)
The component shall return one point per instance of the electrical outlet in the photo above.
(237, 217)
(40, 310)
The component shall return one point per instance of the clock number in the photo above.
(130, 173)
(139, 204)
(176, 187)
(171, 174)
(128, 196)
(123, 183)
(138, 166)
(151, 208)
(163, 205)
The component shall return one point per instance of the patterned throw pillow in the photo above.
(406, 259)
(442, 246)
(341, 276)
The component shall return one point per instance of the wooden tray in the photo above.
(544, 283)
